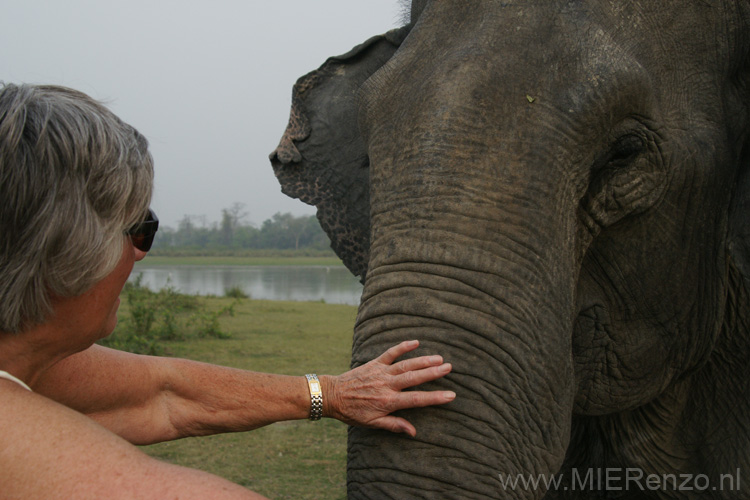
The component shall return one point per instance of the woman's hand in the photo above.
(367, 395)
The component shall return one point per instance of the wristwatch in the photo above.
(316, 396)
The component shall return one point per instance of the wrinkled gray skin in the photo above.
(554, 196)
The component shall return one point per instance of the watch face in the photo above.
(314, 386)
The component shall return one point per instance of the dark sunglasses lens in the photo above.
(142, 242)
(142, 234)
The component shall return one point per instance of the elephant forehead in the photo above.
(494, 74)
(547, 52)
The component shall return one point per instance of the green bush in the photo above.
(147, 318)
(207, 322)
(235, 292)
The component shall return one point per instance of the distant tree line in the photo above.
(280, 232)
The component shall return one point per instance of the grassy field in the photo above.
(152, 260)
(287, 460)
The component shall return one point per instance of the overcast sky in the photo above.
(208, 83)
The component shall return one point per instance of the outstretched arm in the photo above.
(147, 400)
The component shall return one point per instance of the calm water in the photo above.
(334, 285)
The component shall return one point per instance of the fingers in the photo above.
(420, 399)
(416, 364)
(412, 400)
(395, 424)
(395, 352)
(415, 371)
(417, 377)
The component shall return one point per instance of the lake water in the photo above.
(334, 285)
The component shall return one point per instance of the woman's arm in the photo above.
(147, 399)
(49, 451)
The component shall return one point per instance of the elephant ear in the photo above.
(322, 159)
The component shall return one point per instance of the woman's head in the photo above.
(73, 179)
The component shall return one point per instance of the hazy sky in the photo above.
(208, 83)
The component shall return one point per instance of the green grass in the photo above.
(287, 460)
(154, 260)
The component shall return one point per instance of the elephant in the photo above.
(554, 196)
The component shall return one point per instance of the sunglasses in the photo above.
(142, 233)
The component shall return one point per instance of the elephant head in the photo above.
(554, 196)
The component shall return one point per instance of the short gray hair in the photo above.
(73, 179)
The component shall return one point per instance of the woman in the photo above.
(76, 183)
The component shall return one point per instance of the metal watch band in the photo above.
(316, 396)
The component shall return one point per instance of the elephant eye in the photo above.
(627, 179)
(625, 150)
(622, 153)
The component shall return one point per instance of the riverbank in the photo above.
(297, 459)
(204, 260)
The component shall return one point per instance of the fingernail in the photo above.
(436, 359)
(445, 368)
(449, 395)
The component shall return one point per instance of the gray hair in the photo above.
(73, 179)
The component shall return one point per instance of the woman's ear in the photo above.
(322, 159)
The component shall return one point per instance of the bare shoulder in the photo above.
(50, 451)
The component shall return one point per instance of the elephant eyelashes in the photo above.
(622, 153)
(625, 150)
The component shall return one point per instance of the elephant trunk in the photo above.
(491, 299)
